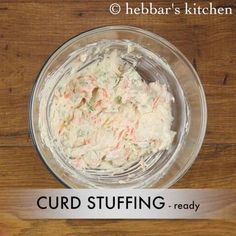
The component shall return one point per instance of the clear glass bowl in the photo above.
(189, 111)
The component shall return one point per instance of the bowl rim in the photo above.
(164, 42)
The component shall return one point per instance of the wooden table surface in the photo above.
(30, 31)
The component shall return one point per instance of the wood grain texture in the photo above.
(31, 30)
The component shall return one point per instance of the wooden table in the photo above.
(30, 31)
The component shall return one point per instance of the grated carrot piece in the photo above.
(87, 141)
(117, 146)
(98, 103)
(132, 131)
(104, 92)
(120, 134)
(66, 94)
(155, 100)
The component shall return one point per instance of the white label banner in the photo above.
(121, 203)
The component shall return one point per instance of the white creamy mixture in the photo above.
(106, 117)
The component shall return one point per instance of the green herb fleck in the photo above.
(80, 133)
(90, 106)
(118, 99)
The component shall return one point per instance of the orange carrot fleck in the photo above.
(92, 77)
(120, 134)
(60, 130)
(66, 94)
(132, 131)
(98, 103)
(104, 92)
(155, 100)
(117, 146)
(84, 91)
(86, 141)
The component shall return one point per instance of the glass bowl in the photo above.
(189, 110)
